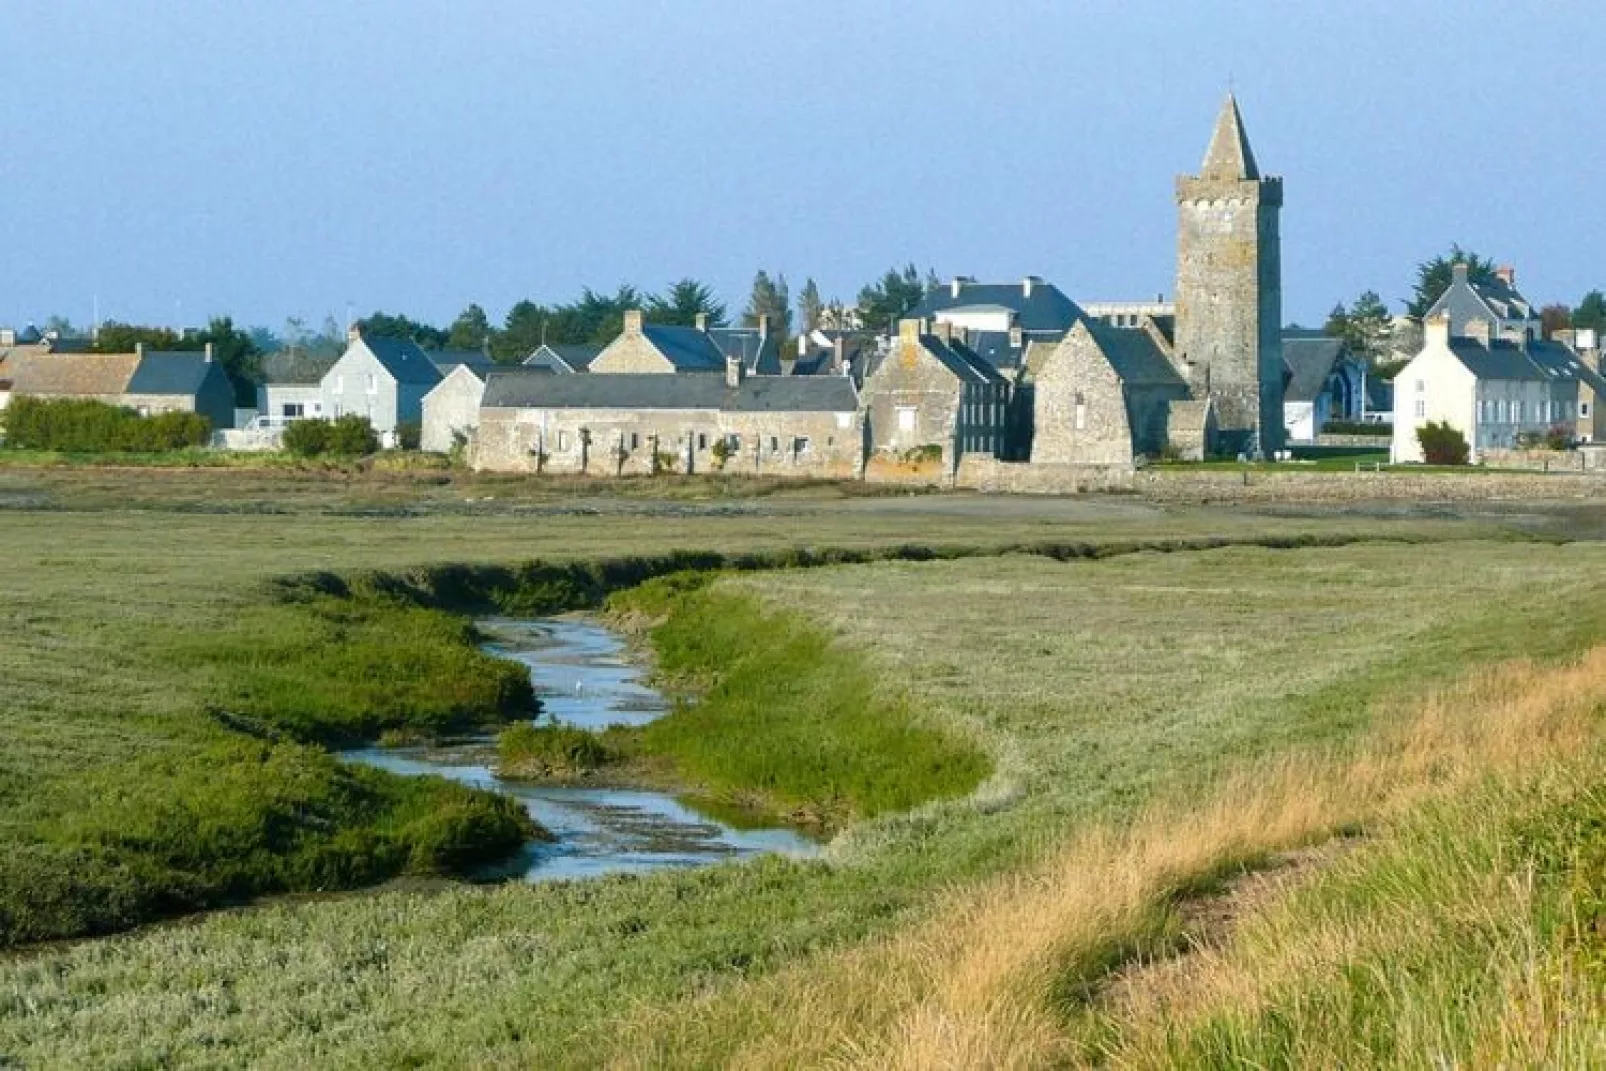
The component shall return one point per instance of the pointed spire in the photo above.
(1229, 156)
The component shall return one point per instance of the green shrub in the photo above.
(550, 749)
(1356, 427)
(1442, 444)
(77, 426)
(307, 438)
(409, 435)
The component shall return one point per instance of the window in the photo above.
(317, 408)
(702, 440)
(1421, 407)
(294, 411)
(563, 441)
(373, 383)
(800, 445)
(844, 420)
(1421, 386)
(1081, 411)
(635, 440)
(735, 442)
(1583, 409)
(1516, 412)
(906, 418)
(775, 444)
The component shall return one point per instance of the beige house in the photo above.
(148, 381)
(452, 407)
(644, 423)
(931, 392)
(661, 348)
(1104, 396)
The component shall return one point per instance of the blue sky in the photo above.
(176, 159)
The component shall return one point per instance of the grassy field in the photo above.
(1113, 698)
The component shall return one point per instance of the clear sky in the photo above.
(177, 158)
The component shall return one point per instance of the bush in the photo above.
(75, 426)
(350, 436)
(1357, 427)
(307, 438)
(550, 749)
(409, 434)
(1442, 444)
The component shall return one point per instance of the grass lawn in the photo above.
(1097, 690)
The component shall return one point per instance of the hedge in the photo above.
(74, 426)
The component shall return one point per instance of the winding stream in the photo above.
(583, 678)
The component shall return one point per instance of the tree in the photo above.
(683, 302)
(771, 301)
(521, 333)
(1442, 444)
(883, 303)
(1366, 327)
(470, 331)
(810, 309)
(1591, 312)
(384, 325)
(1553, 318)
(115, 337)
(1433, 277)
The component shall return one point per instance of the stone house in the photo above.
(563, 358)
(1509, 316)
(1496, 392)
(452, 407)
(1104, 396)
(1325, 382)
(383, 379)
(292, 386)
(1591, 421)
(648, 348)
(641, 423)
(929, 392)
(147, 381)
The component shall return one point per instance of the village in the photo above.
(997, 386)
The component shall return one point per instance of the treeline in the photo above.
(73, 426)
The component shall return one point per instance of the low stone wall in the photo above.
(1536, 460)
(1335, 487)
(1018, 477)
(884, 468)
(1371, 442)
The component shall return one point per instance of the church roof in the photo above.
(1229, 155)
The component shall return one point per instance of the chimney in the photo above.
(702, 322)
(139, 350)
(955, 286)
(208, 352)
(1507, 274)
(1458, 272)
(1436, 331)
(1017, 337)
(632, 321)
(1478, 330)
(353, 334)
(802, 345)
(734, 372)
(943, 330)
(1027, 284)
(839, 350)
(764, 325)
(911, 330)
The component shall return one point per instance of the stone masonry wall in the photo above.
(1259, 486)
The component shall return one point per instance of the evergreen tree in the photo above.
(1433, 277)
(883, 303)
(385, 325)
(811, 310)
(683, 302)
(470, 331)
(1591, 312)
(771, 299)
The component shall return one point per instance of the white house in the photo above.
(383, 379)
(292, 386)
(1495, 392)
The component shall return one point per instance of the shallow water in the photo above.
(582, 675)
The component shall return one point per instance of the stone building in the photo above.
(382, 379)
(1104, 396)
(1229, 288)
(642, 423)
(1495, 304)
(147, 381)
(451, 409)
(647, 348)
(563, 358)
(931, 393)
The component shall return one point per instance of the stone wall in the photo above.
(451, 409)
(1080, 407)
(912, 400)
(607, 442)
(1370, 442)
(1261, 486)
(1537, 460)
(1013, 477)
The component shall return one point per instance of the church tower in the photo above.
(1230, 289)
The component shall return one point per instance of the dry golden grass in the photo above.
(976, 986)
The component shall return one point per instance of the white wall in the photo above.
(453, 406)
(1434, 386)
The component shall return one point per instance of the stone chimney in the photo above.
(735, 372)
(1478, 330)
(1507, 274)
(1458, 272)
(353, 334)
(1028, 283)
(702, 322)
(763, 325)
(802, 345)
(633, 321)
(956, 285)
(943, 330)
(1017, 337)
(911, 330)
(839, 350)
(1436, 330)
(208, 352)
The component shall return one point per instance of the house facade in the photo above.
(451, 410)
(1104, 396)
(1496, 392)
(929, 392)
(292, 386)
(646, 348)
(641, 423)
(148, 381)
(1325, 382)
(382, 379)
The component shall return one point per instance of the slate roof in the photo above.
(478, 361)
(1135, 356)
(1500, 360)
(180, 373)
(295, 368)
(1229, 155)
(403, 359)
(527, 388)
(686, 348)
(563, 358)
(1045, 309)
(758, 352)
(995, 348)
(961, 360)
(1310, 359)
(1466, 300)
(72, 375)
(1559, 361)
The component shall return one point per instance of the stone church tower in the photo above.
(1229, 289)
